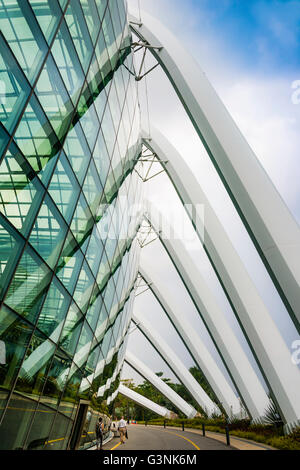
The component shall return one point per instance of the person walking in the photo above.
(99, 433)
(122, 429)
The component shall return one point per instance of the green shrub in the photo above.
(265, 434)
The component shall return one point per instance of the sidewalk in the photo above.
(236, 442)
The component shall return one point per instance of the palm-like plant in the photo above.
(272, 415)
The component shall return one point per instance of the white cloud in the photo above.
(264, 111)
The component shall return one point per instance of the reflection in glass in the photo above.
(14, 88)
(15, 336)
(20, 192)
(10, 249)
(48, 233)
(64, 188)
(65, 281)
(71, 330)
(16, 422)
(28, 286)
(35, 136)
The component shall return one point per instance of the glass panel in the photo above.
(14, 88)
(4, 138)
(94, 80)
(105, 346)
(63, 4)
(60, 432)
(29, 286)
(40, 428)
(117, 164)
(103, 58)
(114, 105)
(101, 323)
(52, 316)
(92, 361)
(101, 158)
(82, 223)
(79, 32)
(64, 188)
(20, 192)
(84, 288)
(67, 408)
(15, 336)
(3, 395)
(48, 233)
(101, 5)
(118, 30)
(90, 13)
(67, 61)
(110, 39)
(49, 372)
(84, 346)
(105, 215)
(71, 330)
(72, 385)
(109, 295)
(70, 263)
(48, 15)
(103, 271)
(111, 243)
(120, 87)
(94, 252)
(77, 151)
(108, 130)
(54, 98)
(23, 35)
(92, 188)
(89, 121)
(116, 327)
(93, 312)
(35, 366)
(35, 137)
(10, 250)
(121, 10)
(45, 174)
(96, 378)
(53, 388)
(16, 422)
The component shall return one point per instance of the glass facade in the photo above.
(69, 142)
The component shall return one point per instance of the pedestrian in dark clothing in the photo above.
(99, 433)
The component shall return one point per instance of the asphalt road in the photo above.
(152, 438)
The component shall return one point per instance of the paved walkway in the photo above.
(158, 438)
(173, 438)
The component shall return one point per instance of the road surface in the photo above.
(153, 438)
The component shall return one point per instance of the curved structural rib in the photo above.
(263, 336)
(268, 221)
(235, 360)
(167, 391)
(180, 370)
(145, 402)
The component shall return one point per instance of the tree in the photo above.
(149, 391)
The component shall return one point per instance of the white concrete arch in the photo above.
(248, 385)
(144, 402)
(261, 332)
(180, 370)
(273, 230)
(167, 391)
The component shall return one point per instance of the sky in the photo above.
(250, 51)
